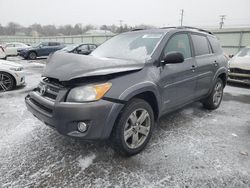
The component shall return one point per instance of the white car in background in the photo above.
(240, 66)
(2, 53)
(10, 49)
(11, 75)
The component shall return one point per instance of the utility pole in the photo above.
(182, 14)
(222, 18)
(121, 21)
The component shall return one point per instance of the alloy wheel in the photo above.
(137, 128)
(218, 92)
(6, 82)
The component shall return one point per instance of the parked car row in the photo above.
(43, 49)
(11, 74)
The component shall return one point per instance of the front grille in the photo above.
(45, 95)
(51, 91)
(241, 71)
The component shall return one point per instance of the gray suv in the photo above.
(121, 89)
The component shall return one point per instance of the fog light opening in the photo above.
(82, 127)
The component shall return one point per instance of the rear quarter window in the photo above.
(216, 47)
(201, 45)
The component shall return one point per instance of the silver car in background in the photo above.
(240, 66)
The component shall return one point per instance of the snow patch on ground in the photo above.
(15, 135)
(86, 161)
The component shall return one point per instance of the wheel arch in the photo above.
(146, 92)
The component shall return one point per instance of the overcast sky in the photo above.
(132, 12)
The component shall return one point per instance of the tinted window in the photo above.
(53, 43)
(92, 47)
(215, 44)
(18, 45)
(44, 44)
(83, 48)
(9, 45)
(201, 46)
(179, 43)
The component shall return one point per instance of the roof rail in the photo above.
(188, 27)
(168, 27)
(137, 29)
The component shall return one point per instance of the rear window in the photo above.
(54, 44)
(215, 44)
(201, 46)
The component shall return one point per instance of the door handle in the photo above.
(215, 63)
(193, 68)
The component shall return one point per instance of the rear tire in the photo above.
(32, 56)
(133, 128)
(213, 101)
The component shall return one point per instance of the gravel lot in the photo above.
(192, 147)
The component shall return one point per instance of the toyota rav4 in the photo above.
(121, 89)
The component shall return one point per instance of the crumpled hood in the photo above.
(66, 66)
(240, 62)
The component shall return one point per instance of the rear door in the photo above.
(53, 46)
(205, 61)
(43, 49)
(178, 80)
(10, 49)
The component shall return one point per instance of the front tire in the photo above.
(213, 101)
(7, 82)
(133, 128)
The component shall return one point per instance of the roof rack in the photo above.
(168, 27)
(137, 29)
(188, 27)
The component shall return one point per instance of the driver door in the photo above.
(178, 81)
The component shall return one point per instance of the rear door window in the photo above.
(53, 43)
(215, 44)
(92, 47)
(201, 45)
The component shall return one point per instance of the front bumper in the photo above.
(63, 116)
(239, 77)
(23, 54)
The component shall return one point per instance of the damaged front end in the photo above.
(71, 97)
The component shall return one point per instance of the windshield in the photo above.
(132, 45)
(244, 52)
(69, 47)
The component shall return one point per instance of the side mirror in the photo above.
(173, 57)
